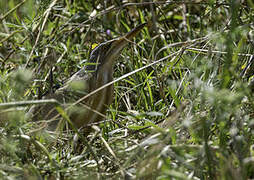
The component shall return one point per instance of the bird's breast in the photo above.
(99, 101)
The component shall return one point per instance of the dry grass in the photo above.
(183, 104)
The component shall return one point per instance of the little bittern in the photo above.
(97, 72)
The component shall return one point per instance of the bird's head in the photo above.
(106, 52)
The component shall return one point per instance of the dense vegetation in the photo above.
(187, 112)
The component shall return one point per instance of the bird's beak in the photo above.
(119, 43)
(134, 31)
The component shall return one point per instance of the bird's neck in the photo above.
(105, 73)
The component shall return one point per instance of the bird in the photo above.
(97, 72)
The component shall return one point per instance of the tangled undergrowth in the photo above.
(183, 109)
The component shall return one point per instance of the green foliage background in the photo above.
(189, 115)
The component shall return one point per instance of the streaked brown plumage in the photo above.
(98, 72)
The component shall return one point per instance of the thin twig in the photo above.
(25, 103)
(218, 52)
(13, 9)
(41, 29)
(10, 35)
